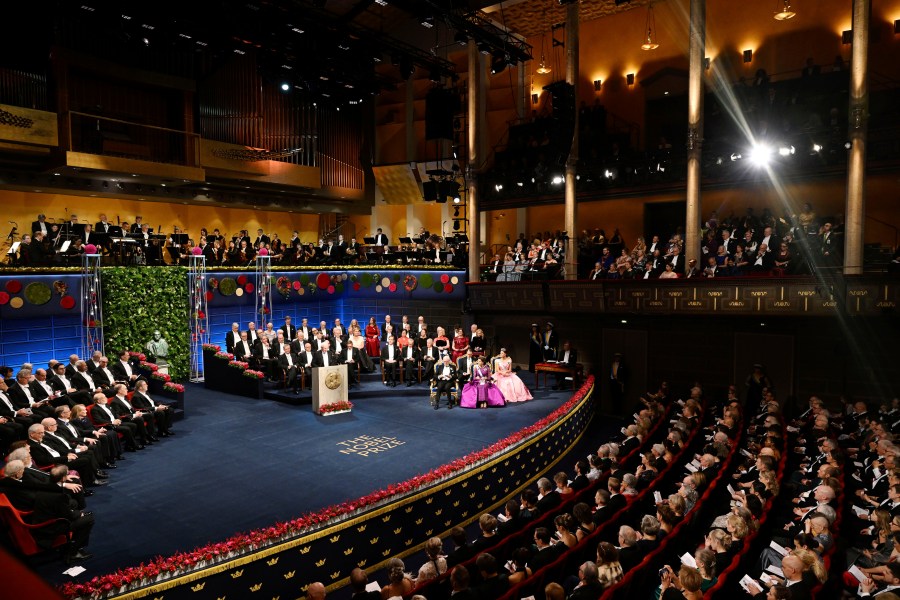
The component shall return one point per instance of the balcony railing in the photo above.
(93, 134)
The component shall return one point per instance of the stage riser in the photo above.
(369, 539)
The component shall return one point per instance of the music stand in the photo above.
(369, 240)
(406, 240)
(462, 238)
(180, 238)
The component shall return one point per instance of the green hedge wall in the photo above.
(138, 301)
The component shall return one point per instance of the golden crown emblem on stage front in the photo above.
(290, 574)
(429, 500)
(373, 541)
(334, 539)
(305, 549)
(361, 563)
(272, 562)
(398, 530)
(472, 496)
(237, 574)
(320, 563)
(361, 528)
(386, 518)
(348, 551)
(429, 532)
(199, 587)
(333, 380)
(386, 552)
(256, 588)
(335, 575)
(419, 521)
(408, 509)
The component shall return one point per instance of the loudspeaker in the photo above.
(440, 106)
(430, 190)
(562, 99)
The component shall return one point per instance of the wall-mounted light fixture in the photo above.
(748, 56)
(847, 37)
(534, 98)
(596, 85)
(896, 26)
(630, 78)
(706, 63)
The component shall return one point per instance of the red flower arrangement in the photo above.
(237, 364)
(161, 377)
(148, 367)
(138, 355)
(334, 407)
(225, 355)
(173, 387)
(212, 347)
(242, 542)
(253, 374)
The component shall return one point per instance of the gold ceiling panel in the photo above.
(397, 183)
(534, 17)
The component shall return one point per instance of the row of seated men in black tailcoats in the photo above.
(57, 452)
(297, 349)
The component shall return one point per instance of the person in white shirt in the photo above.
(390, 356)
(242, 348)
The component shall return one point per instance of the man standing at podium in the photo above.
(324, 357)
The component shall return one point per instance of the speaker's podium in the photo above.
(329, 386)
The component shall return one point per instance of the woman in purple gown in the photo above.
(480, 391)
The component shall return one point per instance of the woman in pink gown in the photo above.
(512, 388)
(373, 339)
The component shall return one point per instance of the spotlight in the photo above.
(381, 2)
(457, 200)
(816, 148)
(735, 156)
(498, 62)
(428, 22)
(786, 150)
(786, 12)
(557, 180)
(498, 187)
(760, 155)
(847, 145)
(520, 184)
(608, 174)
(285, 87)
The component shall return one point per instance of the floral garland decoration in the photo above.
(184, 561)
(213, 283)
(283, 285)
(410, 282)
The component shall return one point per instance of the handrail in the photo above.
(889, 225)
(144, 125)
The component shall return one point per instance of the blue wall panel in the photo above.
(37, 340)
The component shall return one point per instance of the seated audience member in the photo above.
(463, 550)
(493, 584)
(162, 413)
(123, 409)
(519, 570)
(46, 507)
(435, 565)
(102, 416)
(488, 525)
(399, 583)
(546, 551)
(123, 371)
(589, 586)
(609, 569)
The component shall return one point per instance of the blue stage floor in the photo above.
(238, 464)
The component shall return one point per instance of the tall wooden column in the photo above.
(571, 207)
(857, 133)
(476, 156)
(695, 129)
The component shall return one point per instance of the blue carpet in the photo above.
(238, 464)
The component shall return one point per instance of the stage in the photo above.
(238, 464)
